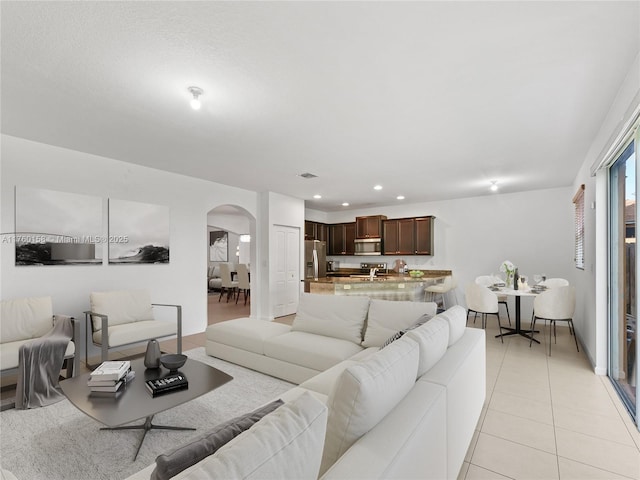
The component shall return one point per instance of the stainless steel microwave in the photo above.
(368, 246)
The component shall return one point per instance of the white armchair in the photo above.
(23, 320)
(127, 317)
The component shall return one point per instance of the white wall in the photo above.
(592, 282)
(26, 163)
(473, 236)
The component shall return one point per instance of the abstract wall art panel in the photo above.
(138, 232)
(218, 246)
(57, 228)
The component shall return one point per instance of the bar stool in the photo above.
(440, 289)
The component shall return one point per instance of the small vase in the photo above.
(509, 280)
(152, 356)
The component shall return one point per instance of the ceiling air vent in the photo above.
(308, 175)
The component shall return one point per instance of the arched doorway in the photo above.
(231, 240)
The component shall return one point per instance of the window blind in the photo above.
(578, 203)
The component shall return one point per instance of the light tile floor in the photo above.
(549, 417)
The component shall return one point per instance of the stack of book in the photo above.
(168, 383)
(110, 377)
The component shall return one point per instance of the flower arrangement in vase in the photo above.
(509, 270)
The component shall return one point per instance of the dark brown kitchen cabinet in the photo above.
(398, 236)
(424, 236)
(341, 239)
(316, 231)
(369, 227)
(408, 236)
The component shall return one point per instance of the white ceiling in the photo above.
(432, 100)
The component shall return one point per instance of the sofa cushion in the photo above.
(9, 353)
(25, 318)
(365, 393)
(324, 381)
(170, 464)
(136, 332)
(245, 333)
(338, 316)
(123, 306)
(457, 318)
(310, 350)
(433, 339)
(286, 444)
(387, 317)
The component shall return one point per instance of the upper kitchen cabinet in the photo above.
(408, 236)
(369, 227)
(424, 235)
(399, 236)
(341, 239)
(316, 231)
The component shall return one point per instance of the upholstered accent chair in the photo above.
(23, 320)
(125, 317)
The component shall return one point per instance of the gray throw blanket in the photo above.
(39, 365)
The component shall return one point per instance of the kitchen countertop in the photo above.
(355, 276)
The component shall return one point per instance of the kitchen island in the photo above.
(382, 287)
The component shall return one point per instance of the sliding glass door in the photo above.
(623, 332)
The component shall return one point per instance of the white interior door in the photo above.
(286, 271)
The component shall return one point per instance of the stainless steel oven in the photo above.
(368, 246)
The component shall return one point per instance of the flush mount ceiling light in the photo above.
(378, 187)
(345, 204)
(400, 197)
(195, 101)
(494, 186)
(317, 197)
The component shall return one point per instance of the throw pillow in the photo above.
(386, 317)
(365, 393)
(170, 464)
(286, 444)
(421, 321)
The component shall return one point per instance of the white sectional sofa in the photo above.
(406, 410)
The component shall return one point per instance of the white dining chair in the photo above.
(244, 285)
(229, 286)
(554, 282)
(555, 305)
(432, 291)
(483, 301)
(487, 281)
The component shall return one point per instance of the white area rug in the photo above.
(61, 442)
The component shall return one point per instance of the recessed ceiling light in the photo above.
(494, 186)
(317, 196)
(195, 101)
(345, 204)
(378, 187)
(400, 197)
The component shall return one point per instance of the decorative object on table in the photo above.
(522, 283)
(168, 383)
(516, 279)
(416, 273)
(152, 356)
(173, 361)
(509, 270)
